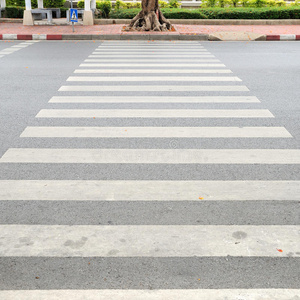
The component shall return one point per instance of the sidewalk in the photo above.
(182, 32)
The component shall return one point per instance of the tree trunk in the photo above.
(149, 18)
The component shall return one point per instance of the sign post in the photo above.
(73, 15)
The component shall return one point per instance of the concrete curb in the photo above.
(167, 37)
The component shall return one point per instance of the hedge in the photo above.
(169, 13)
(17, 12)
(47, 3)
(218, 13)
(252, 13)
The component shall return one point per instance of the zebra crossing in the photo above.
(14, 48)
(146, 206)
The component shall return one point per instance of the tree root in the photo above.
(149, 20)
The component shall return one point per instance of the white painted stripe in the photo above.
(152, 78)
(8, 36)
(154, 113)
(193, 65)
(147, 99)
(5, 53)
(156, 88)
(155, 60)
(156, 132)
(160, 71)
(1, 56)
(184, 294)
(19, 46)
(37, 37)
(149, 52)
(148, 240)
(152, 156)
(120, 47)
(10, 50)
(287, 37)
(148, 190)
(159, 56)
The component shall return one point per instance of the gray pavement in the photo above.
(33, 75)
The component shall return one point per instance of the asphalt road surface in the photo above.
(149, 170)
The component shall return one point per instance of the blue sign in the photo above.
(73, 15)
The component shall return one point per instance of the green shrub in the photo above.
(80, 4)
(208, 3)
(174, 4)
(271, 3)
(245, 3)
(280, 3)
(235, 3)
(105, 8)
(20, 3)
(13, 12)
(252, 13)
(163, 4)
(54, 3)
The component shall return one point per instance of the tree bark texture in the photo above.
(149, 18)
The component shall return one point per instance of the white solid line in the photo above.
(154, 60)
(156, 132)
(166, 294)
(193, 65)
(159, 71)
(151, 156)
(148, 190)
(149, 240)
(156, 56)
(149, 99)
(152, 78)
(1, 56)
(156, 88)
(152, 47)
(154, 113)
(10, 49)
(5, 53)
(19, 46)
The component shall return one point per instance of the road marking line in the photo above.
(154, 113)
(154, 88)
(152, 78)
(154, 60)
(149, 240)
(156, 56)
(156, 132)
(160, 71)
(149, 99)
(151, 156)
(193, 65)
(166, 294)
(149, 190)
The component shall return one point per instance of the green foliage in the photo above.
(271, 3)
(80, 4)
(54, 3)
(208, 3)
(20, 3)
(169, 13)
(105, 8)
(245, 3)
(280, 3)
(174, 4)
(252, 13)
(235, 3)
(163, 4)
(13, 12)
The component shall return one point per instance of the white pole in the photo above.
(40, 4)
(28, 4)
(93, 4)
(3, 3)
(87, 5)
